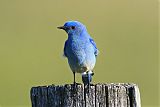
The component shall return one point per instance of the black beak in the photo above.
(61, 27)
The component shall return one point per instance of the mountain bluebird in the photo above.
(80, 49)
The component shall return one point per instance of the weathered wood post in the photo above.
(99, 95)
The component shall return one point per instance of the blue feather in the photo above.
(94, 44)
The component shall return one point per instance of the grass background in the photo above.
(31, 47)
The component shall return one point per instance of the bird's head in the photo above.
(73, 27)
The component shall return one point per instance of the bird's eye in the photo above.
(72, 27)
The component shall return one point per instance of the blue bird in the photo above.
(80, 49)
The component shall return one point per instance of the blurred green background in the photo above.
(31, 47)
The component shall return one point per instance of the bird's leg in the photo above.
(74, 81)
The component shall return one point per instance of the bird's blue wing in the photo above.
(64, 50)
(94, 44)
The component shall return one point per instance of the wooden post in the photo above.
(99, 95)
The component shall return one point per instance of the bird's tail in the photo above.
(87, 78)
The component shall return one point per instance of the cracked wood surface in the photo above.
(97, 95)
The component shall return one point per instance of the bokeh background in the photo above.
(31, 47)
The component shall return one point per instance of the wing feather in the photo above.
(94, 44)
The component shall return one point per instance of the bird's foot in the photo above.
(91, 84)
(77, 83)
(74, 88)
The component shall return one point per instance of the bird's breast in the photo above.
(79, 50)
(80, 54)
(75, 49)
